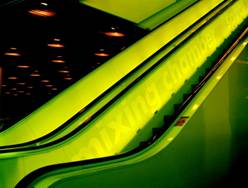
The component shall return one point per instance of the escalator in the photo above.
(75, 98)
(36, 127)
(40, 59)
(71, 149)
(201, 147)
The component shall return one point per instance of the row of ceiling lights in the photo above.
(44, 11)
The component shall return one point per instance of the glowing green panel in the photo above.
(137, 107)
(125, 83)
(64, 106)
(108, 134)
(165, 14)
(177, 160)
(132, 10)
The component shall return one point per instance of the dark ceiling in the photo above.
(45, 46)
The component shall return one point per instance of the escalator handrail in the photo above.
(111, 81)
(32, 144)
(89, 164)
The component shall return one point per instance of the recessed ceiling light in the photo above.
(12, 54)
(63, 71)
(68, 78)
(35, 74)
(55, 45)
(102, 53)
(12, 78)
(43, 3)
(44, 81)
(58, 61)
(57, 39)
(42, 13)
(21, 83)
(23, 66)
(114, 34)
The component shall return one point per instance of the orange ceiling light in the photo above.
(12, 78)
(58, 61)
(68, 78)
(102, 53)
(42, 12)
(64, 71)
(116, 34)
(114, 31)
(12, 52)
(35, 74)
(45, 81)
(55, 45)
(15, 54)
(23, 66)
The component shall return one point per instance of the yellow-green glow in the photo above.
(133, 10)
(139, 104)
(72, 100)
(165, 14)
(129, 162)
(110, 132)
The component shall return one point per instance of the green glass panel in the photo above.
(132, 10)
